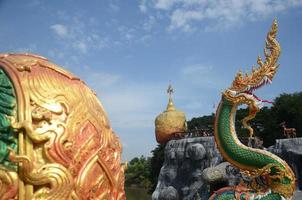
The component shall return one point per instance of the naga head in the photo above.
(241, 90)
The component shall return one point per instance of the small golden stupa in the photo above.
(171, 123)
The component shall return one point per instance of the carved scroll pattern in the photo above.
(75, 153)
(8, 184)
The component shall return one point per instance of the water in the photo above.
(133, 193)
(298, 195)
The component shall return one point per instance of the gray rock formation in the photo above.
(222, 173)
(168, 193)
(193, 167)
(185, 160)
(291, 151)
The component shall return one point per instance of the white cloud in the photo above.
(30, 48)
(104, 79)
(114, 7)
(34, 3)
(138, 103)
(134, 107)
(149, 23)
(142, 6)
(165, 4)
(180, 19)
(56, 54)
(127, 34)
(81, 37)
(145, 38)
(202, 75)
(189, 14)
(194, 105)
(198, 70)
(81, 46)
(60, 30)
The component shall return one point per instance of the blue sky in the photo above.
(127, 51)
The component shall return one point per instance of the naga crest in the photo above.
(56, 142)
(244, 85)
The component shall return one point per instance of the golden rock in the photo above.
(171, 123)
(66, 148)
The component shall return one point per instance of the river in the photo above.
(134, 193)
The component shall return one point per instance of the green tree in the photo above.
(157, 160)
(286, 108)
(204, 122)
(138, 172)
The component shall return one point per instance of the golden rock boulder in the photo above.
(170, 124)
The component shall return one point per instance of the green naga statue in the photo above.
(272, 177)
(8, 137)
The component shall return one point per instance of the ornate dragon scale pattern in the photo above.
(279, 179)
(8, 139)
(67, 149)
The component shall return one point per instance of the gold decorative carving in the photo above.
(67, 149)
(8, 184)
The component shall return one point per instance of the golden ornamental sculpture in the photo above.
(171, 123)
(56, 142)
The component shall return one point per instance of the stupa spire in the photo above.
(170, 105)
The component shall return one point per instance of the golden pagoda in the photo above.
(171, 123)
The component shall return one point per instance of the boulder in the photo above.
(185, 160)
(290, 150)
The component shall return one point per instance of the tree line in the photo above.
(287, 108)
